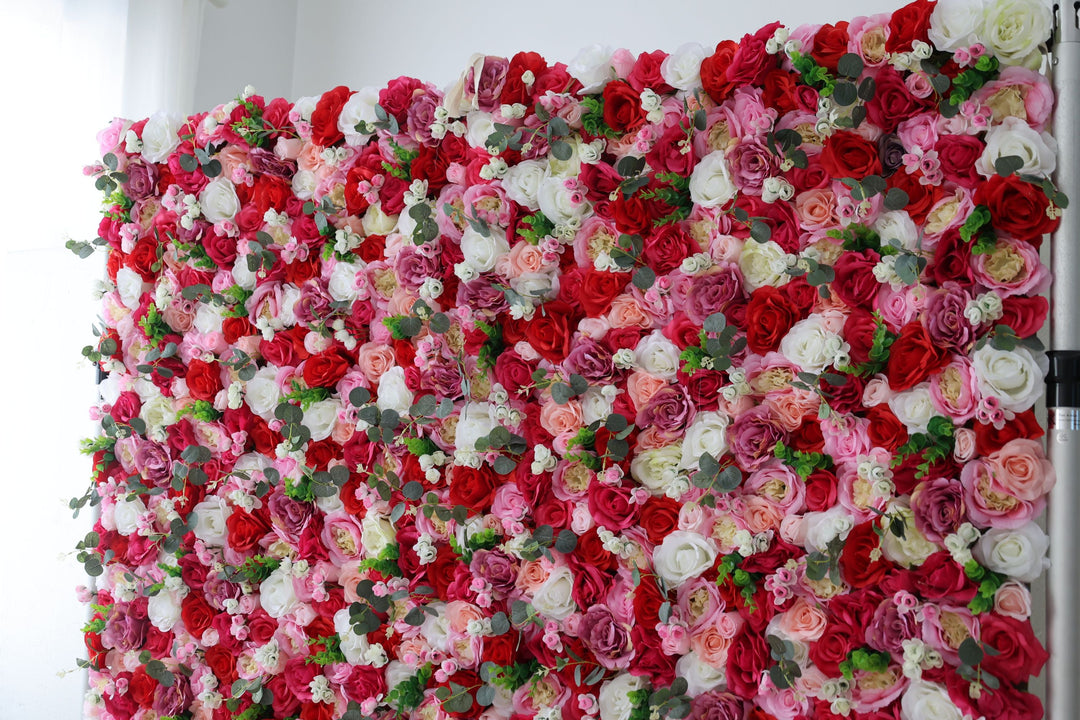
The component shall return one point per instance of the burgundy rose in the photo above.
(855, 283)
(606, 637)
(611, 506)
(669, 411)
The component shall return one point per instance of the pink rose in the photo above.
(1022, 469)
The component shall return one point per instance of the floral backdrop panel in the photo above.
(663, 385)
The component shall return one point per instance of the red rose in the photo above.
(632, 215)
(893, 102)
(599, 288)
(769, 316)
(820, 490)
(550, 330)
(666, 248)
(1025, 315)
(646, 73)
(714, 71)
(270, 192)
(952, 260)
(667, 153)
(622, 107)
(1020, 654)
(591, 551)
(514, 89)
(398, 95)
(939, 577)
(847, 154)
(912, 357)
(142, 258)
(324, 118)
(833, 646)
(512, 371)
(859, 330)
(908, 24)
(856, 565)
(499, 649)
(647, 601)
(220, 249)
(780, 91)
(703, 389)
(830, 44)
(989, 439)
(958, 154)
(748, 658)
(885, 429)
(611, 506)
(1001, 703)
(203, 380)
(142, 687)
(751, 63)
(855, 283)
(473, 487)
(196, 613)
(245, 530)
(807, 437)
(326, 368)
(1017, 208)
(659, 516)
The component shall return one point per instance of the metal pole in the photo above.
(1063, 383)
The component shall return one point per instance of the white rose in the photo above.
(342, 284)
(126, 514)
(1014, 29)
(1015, 137)
(376, 534)
(701, 677)
(277, 595)
(163, 610)
(210, 517)
(218, 200)
(1014, 376)
(821, 528)
(303, 184)
(956, 24)
(707, 434)
(522, 183)
(809, 344)
(682, 68)
(897, 225)
(160, 136)
(436, 628)
(476, 422)
(615, 703)
(928, 701)
(320, 417)
(1019, 553)
(554, 597)
(481, 252)
(658, 356)
(305, 106)
(913, 408)
(290, 295)
(394, 394)
(242, 276)
(592, 68)
(480, 126)
(262, 394)
(682, 556)
(555, 201)
(360, 107)
(353, 645)
(657, 468)
(129, 284)
(762, 264)
(710, 183)
(157, 412)
(595, 405)
(208, 318)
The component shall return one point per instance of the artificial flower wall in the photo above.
(663, 385)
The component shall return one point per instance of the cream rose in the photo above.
(218, 200)
(682, 556)
(928, 701)
(711, 184)
(913, 407)
(592, 68)
(700, 676)
(556, 202)
(126, 514)
(956, 24)
(1019, 553)
(522, 183)
(658, 356)
(1014, 29)
(320, 418)
(342, 284)
(762, 264)
(476, 422)
(1015, 137)
(160, 136)
(376, 534)
(262, 393)
(682, 68)
(163, 610)
(129, 285)
(657, 469)
(554, 597)
(810, 345)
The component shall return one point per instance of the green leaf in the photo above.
(845, 94)
(896, 199)
(760, 231)
(715, 323)
(971, 653)
(561, 150)
(566, 541)
(850, 65)
(504, 465)
(630, 166)
(189, 163)
(561, 393)
(1008, 164)
(439, 323)
(500, 624)
(644, 278)
(728, 479)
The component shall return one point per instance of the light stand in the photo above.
(1063, 384)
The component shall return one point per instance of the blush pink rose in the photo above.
(1022, 469)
